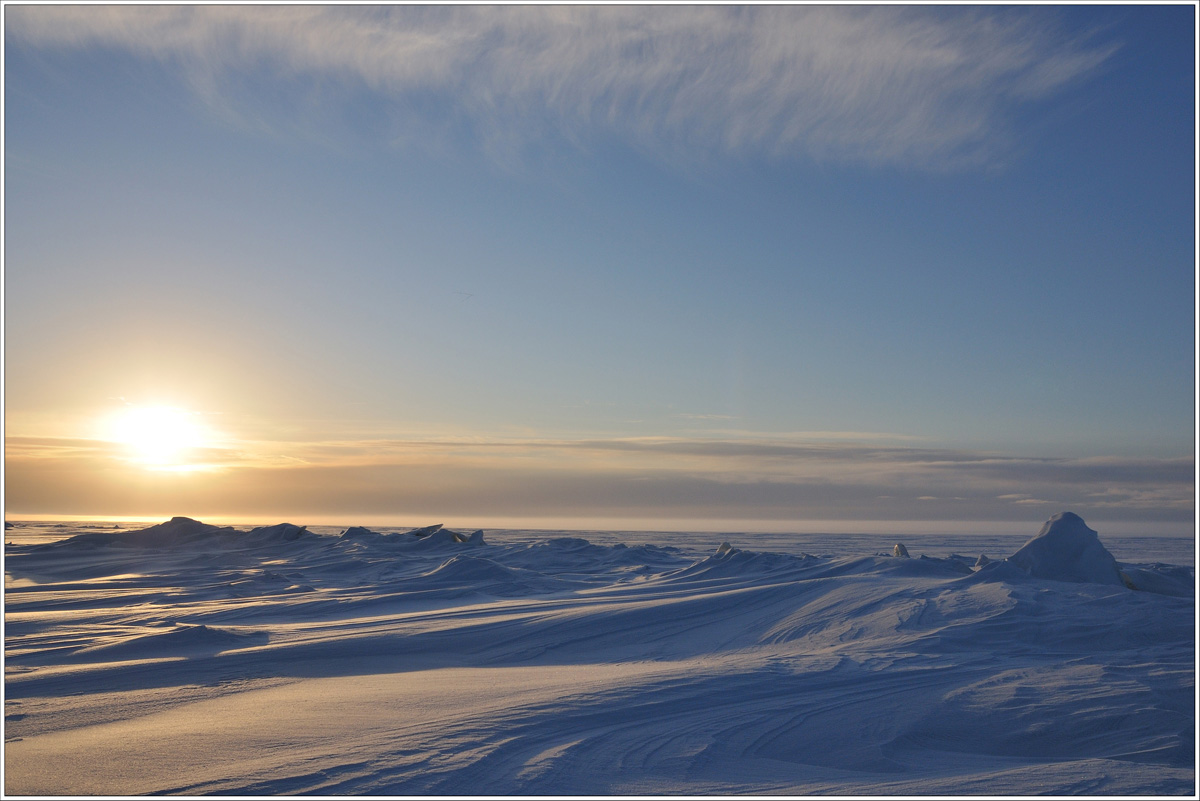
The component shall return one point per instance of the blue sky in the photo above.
(638, 263)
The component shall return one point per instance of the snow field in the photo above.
(191, 659)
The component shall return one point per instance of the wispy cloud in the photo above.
(881, 84)
(102, 453)
(650, 477)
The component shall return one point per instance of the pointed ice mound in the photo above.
(1067, 550)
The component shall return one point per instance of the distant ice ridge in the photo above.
(181, 531)
(1065, 549)
(434, 534)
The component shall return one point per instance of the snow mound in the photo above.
(176, 531)
(464, 575)
(1162, 579)
(472, 570)
(359, 532)
(182, 640)
(280, 532)
(729, 562)
(1067, 550)
(439, 537)
(184, 531)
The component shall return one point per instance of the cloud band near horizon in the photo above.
(660, 478)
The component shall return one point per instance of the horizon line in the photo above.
(637, 524)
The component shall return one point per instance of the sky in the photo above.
(774, 267)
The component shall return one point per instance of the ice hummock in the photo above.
(1067, 550)
(184, 531)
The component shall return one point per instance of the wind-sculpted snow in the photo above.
(190, 658)
(1067, 550)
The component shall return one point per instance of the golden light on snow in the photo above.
(160, 437)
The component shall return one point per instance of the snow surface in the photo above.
(189, 658)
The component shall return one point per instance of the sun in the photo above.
(160, 437)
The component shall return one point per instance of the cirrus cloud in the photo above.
(878, 85)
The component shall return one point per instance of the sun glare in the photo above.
(161, 437)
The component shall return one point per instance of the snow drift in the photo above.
(189, 658)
